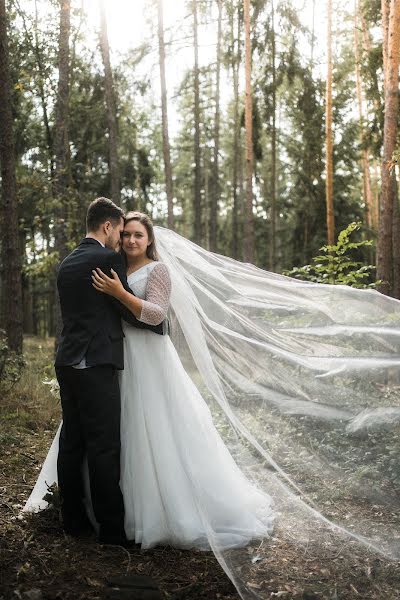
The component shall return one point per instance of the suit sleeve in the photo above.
(116, 263)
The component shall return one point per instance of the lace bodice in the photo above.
(152, 284)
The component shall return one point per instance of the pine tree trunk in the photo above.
(376, 193)
(236, 135)
(42, 94)
(248, 237)
(197, 228)
(396, 241)
(207, 167)
(330, 218)
(11, 296)
(272, 256)
(367, 191)
(385, 8)
(374, 212)
(111, 108)
(241, 188)
(61, 146)
(215, 168)
(164, 114)
(367, 46)
(388, 189)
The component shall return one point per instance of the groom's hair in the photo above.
(100, 211)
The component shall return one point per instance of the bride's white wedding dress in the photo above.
(180, 484)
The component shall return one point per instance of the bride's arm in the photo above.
(112, 286)
(152, 310)
(158, 292)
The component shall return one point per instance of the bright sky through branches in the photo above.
(126, 18)
(132, 23)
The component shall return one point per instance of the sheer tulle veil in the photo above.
(303, 381)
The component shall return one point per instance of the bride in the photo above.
(170, 447)
(177, 476)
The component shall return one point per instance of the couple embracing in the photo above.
(157, 470)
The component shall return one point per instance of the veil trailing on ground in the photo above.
(303, 381)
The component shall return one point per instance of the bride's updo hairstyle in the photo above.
(145, 220)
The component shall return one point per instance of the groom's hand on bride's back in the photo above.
(117, 264)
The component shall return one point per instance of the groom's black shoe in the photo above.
(77, 527)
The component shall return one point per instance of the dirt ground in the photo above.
(39, 562)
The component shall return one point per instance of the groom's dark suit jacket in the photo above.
(92, 320)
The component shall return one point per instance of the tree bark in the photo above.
(197, 225)
(385, 8)
(330, 218)
(388, 188)
(396, 240)
(248, 237)
(367, 47)
(62, 176)
(42, 94)
(10, 250)
(236, 134)
(111, 108)
(164, 116)
(61, 145)
(367, 191)
(272, 253)
(215, 192)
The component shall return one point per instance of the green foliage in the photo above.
(11, 364)
(336, 265)
(42, 267)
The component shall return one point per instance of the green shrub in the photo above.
(11, 364)
(336, 265)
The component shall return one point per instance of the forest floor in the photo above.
(39, 562)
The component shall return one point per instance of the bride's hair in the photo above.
(145, 220)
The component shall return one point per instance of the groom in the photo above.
(89, 354)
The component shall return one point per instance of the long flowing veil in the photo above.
(303, 381)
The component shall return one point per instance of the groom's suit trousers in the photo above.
(91, 408)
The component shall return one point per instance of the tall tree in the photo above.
(391, 55)
(373, 94)
(197, 225)
(164, 115)
(367, 190)
(215, 170)
(61, 145)
(248, 235)
(330, 218)
(236, 148)
(43, 99)
(111, 107)
(272, 252)
(10, 251)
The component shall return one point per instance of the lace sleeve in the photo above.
(158, 291)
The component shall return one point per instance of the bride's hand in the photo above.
(107, 285)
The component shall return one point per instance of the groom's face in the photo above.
(113, 240)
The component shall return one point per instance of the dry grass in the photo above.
(28, 404)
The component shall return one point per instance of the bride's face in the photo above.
(135, 240)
